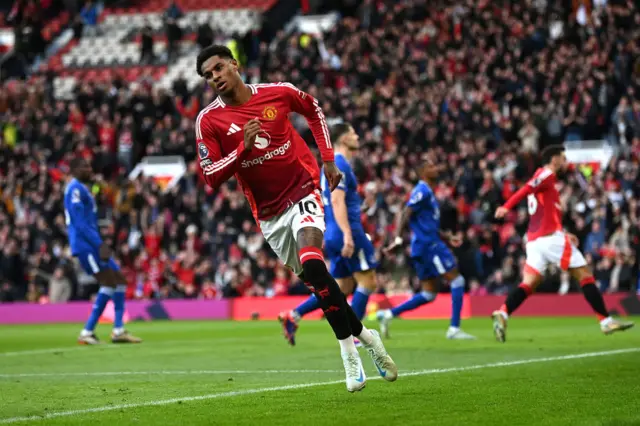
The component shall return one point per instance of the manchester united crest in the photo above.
(270, 113)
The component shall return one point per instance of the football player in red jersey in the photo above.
(547, 243)
(245, 132)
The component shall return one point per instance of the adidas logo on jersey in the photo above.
(308, 219)
(233, 129)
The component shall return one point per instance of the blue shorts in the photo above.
(92, 264)
(363, 259)
(432, 260)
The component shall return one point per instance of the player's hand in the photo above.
(332, 174)
(573, 239)
(348, 246)
(105, 252)
(397, 242)
(501, 212)
(251, 130)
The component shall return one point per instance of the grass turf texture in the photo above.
(42, 373)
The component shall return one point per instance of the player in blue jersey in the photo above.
(347, 246)
(431, 257)
(93, 254)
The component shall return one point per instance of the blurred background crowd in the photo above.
(484, 85)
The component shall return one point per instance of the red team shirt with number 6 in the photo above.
(280, 170)
(543, 202)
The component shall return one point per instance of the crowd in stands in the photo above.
(484, 85)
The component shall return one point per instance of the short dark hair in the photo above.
(551, 151)
(337, 130)
(210, 51)
(77, 162)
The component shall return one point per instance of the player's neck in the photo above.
(344, 152)
(550, 167)
(429, 182)
(239, 97)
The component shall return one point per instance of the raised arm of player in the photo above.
(535, 185)
(307, 106)
(215, 168)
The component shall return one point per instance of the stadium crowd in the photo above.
(484, 85)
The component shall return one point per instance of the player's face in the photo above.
(221, 74)
(83, 172)
(351, 140)
(561, 162)
(430, 170)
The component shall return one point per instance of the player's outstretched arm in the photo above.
(535, 185)
(402, 220)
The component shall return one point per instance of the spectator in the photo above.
(59, 287)
(173, 30)
(146, 45)
(90, 15)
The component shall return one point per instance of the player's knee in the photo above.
(313, 267)
(366, 279)
(106, 290)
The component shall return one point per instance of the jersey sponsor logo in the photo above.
(282, 150)
(263, 140)
(203, 151)
(269, 113)
(206, 163)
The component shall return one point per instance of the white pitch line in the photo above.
(161, 373)
(244, 392)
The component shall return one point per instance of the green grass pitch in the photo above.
(552, 371)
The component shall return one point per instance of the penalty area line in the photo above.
(245, 392)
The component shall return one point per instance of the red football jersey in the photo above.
(543, 202)
(280, 170)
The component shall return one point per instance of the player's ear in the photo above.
(235, 64)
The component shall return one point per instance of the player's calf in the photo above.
(328, 293)
(592, 294)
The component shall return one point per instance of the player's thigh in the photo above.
(93, 265)
(430, 285)
(536, 262)
(451, 275)
(307, 221)
(277, 233)
(364, 255)
(340, 267)
(425, 268)
(442, 258)
(346, 285)
(559, 251)
(580, 273)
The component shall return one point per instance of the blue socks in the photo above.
(118, 306)
(103, 297)
(309, 305)
(415, 302)
(457, 295)
(359, 301)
